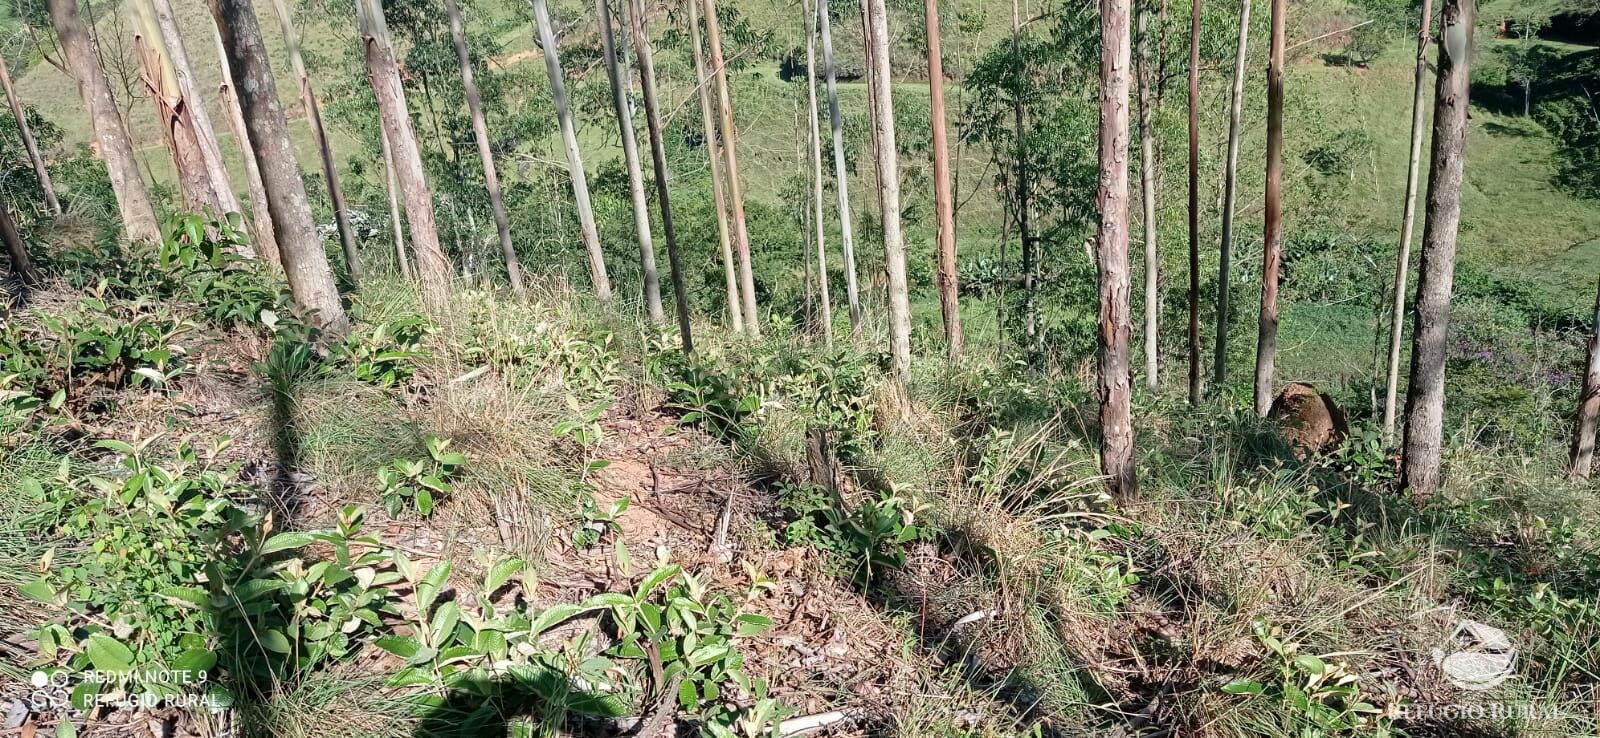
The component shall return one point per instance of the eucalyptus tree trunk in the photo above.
(396, 223)
(21, 265)
(313, 111)
(730, 154)
(1408, 221)
(1583, 430)
(730, 272)
(1194, 203)
(195, 106)
(1230, 196)
(894, 246)
(1424, 433)
(943, 196)
(480, 134)
(816, 171)
(1023, 205)
(569, 137)
(262, 235)
(1272, 250)
(305, 264)
(174, 112)
(28, 142)
(658, 158)
(1116, 323)
(1147, 190)
(630, 157)
(133, 198)
(847, 241)
(433, 267)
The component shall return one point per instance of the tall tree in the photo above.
(634, 11)
(1194, 203)
(1272, 250)
(28, 141)
(133, 198)
(305, 264)
(174, 111)
(396, 223)
(313, 111)
(630, 156)
(480, 134)
(1424, 433)
(847, 241)
(433, 267)
(730, 156)
(1230, 188)
(816, 171)
(178, 54)
(1147, 189)
(262, 235)
(21, 266)
(894, 246)
(943, 197)
(730, 272)
(1583, 429)
(569, 137)
(1116, 324)
(1408, 221)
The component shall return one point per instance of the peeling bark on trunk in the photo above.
(195, 106)
(569, 137)
(658, 159)
(264, 238)
(174, 111)
(1230, 196)
(1194, 203)
(847, 239)
(433, 267)
(630, 157)
(894, 246)
(21, 265)
(1147, 189)
(480, 134)
(1424, 434)
(1116, 324)
(1583, 430)
(28, 141)
(730, 272)
(304, 263)
(1272, 251)
(133, 198)
(1408, 221)
(313, 111)
(730, 146)
(943, 197)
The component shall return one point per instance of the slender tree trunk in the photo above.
(1116, 324)
(943, 197)
(210, 152)
(133, 199)
(730, 272)
(1424, 434)
(1024, 208)
(872, 92)
(264, 238)
(305, 264)
(28, 142)
(433, 267)
(1194, 203)
(569, 137)
(1147, 188)
(894, 247)
(21, 265)
(174, 112)
(396, 223)
(1272, 251)
(816, 171)
(730, 145)
(1230, 194)
(658, 159)
(630, 156)
(1583, 430)
(480, 133)
(313, 111)
(1408, 221)
(847, 240)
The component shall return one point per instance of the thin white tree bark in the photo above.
(819, 223)
(227, 199)
(263, 235)
(630, 157)
(730, 155)
(28, 142)
(634, 13)
(847, 241)
(1230, 197)
(894, 246)
(730, 271)
(396, 222)
(1147, 187)
(1408, 220)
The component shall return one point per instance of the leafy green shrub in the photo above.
(420, 482)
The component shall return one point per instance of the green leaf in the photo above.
(428, 588)
(1243, 686)
(553, 616)
(502, 572)
(403, 646)
(275, 641)
(424, 501)
(108, 654)
(1310, 664)
(287, 540)
(688, 696)
(751, 624)
(66, 729)
(38, 590)
(186, 596)
(444, 621)
(120, 447)
(192, 663)
(656, 578)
